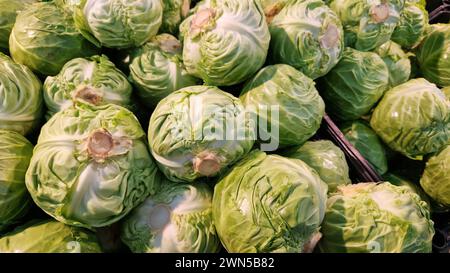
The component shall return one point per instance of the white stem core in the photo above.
(380, 13)
(207, 164)
(159, 216)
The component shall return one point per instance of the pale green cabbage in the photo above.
(326, 159)
(354, 85)
(376, 218)
(226, 41)
(94, 80)
(48, 236)
(308, 36)
(411, 27)
(20, 97)
(436, 177)
(178, 219)
(15, 155)
(157, 69)
(413, 118)
(433, 55)
(366, 141)
(299, 106)
(44, 38)
(91, 166)
(269, 203)
(117, 23)
(397, 62)
(198, 131)
(367, 23)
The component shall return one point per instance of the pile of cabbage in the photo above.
(183, 126)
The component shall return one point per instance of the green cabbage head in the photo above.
(413, 118)
(117, 23)
(287, 104)
(433, 55)
(197, 131)
(436, 177)
(354, 85)
(173, 14)
(307, 35)
(44, 38)
(326, 159)
(366, 141)
(226, 41)
(269, 203)
(8, 14)
(367, 23)
(49, 236)
(157, 69)
(412, 25)
(376, 218)
(397, 62)
(178, 219)
(94, 80)
(15, 155)
(91, 166)
(20, 97)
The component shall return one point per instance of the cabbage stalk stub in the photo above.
(91, 166)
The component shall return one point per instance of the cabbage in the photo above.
(198, 131)
(117, 23)
(436, 179)
(299, 110)
(371, 217)
(44, 38)
(173, 14)
(366, 141)
(177, 219)
(91, 166)
(20, 97)
(157, 69)
(308, 36)
(93, 80)
(354, 85)
(446, 91)
(326, 159)
(367, 23)
(225, 42)
(269, 203)
(8, 14)
(47, 236)
(397, 62)
(15, 155)
(411, 27)
(413, 118)
(433, 55)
